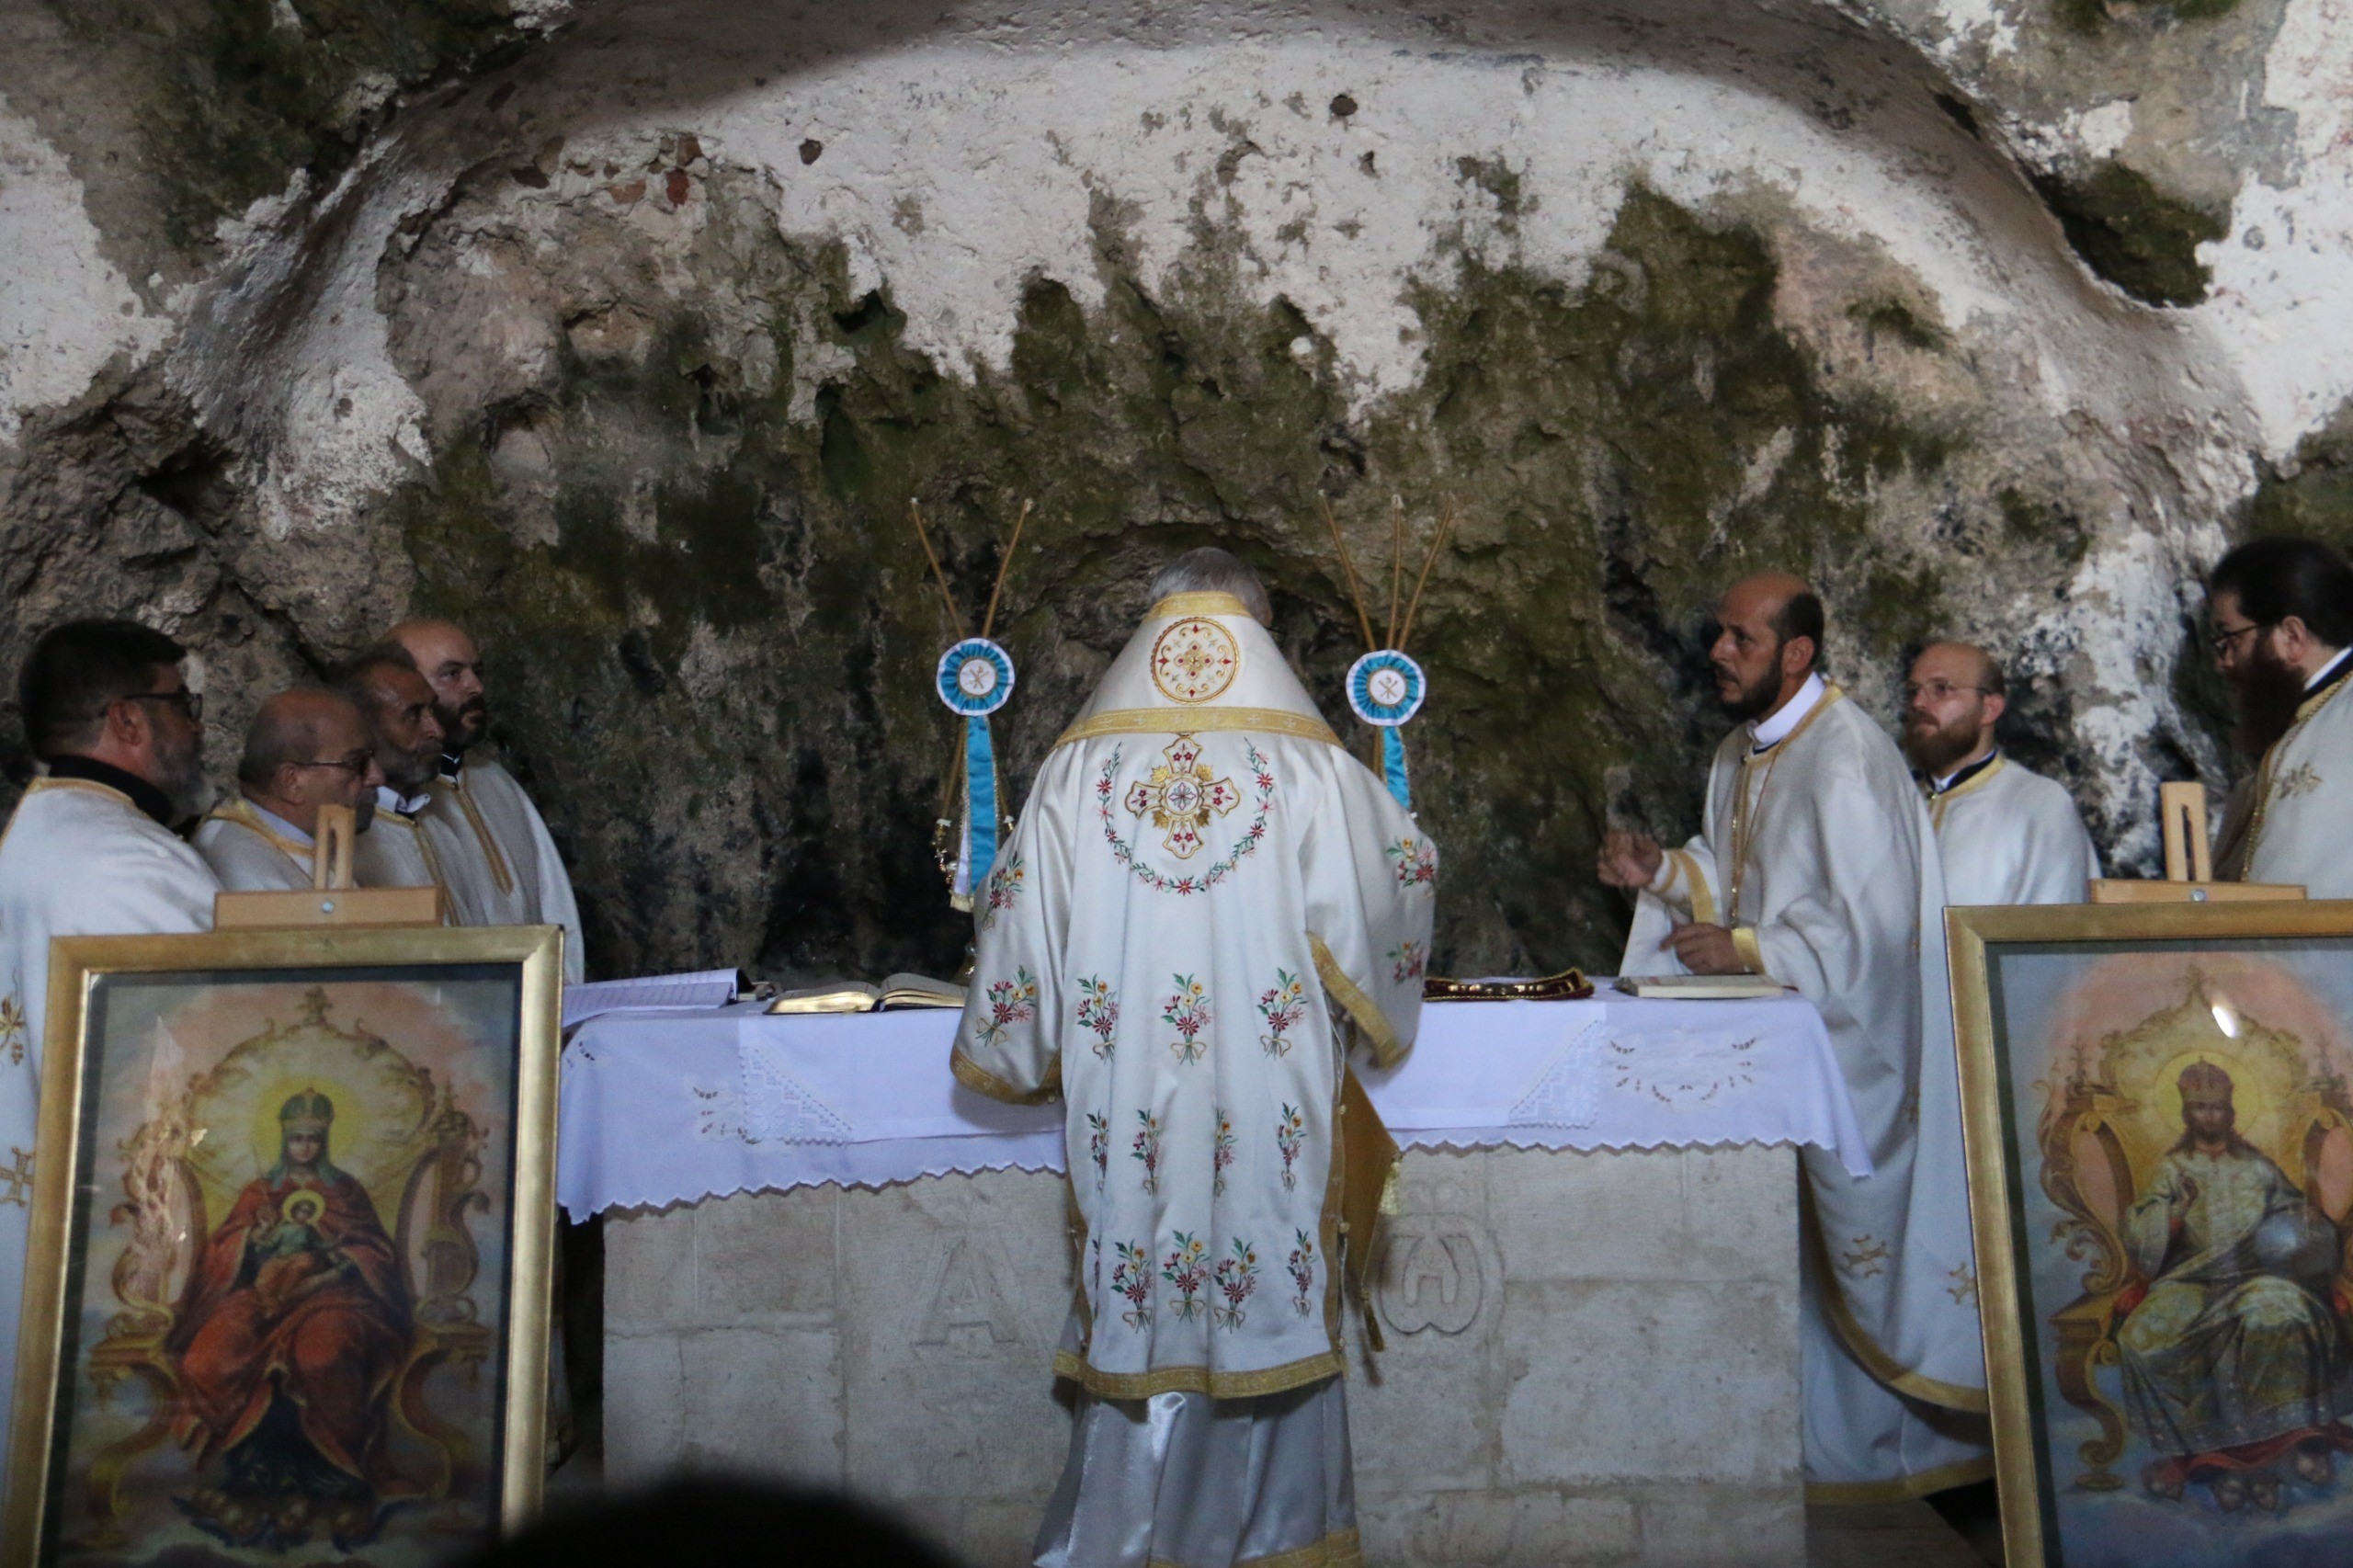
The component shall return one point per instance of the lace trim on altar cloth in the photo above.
(1562, 1095)
(778, 1108)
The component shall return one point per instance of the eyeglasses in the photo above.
(1937, 690)
(2222, 640)
(356, 764)
(188, 702)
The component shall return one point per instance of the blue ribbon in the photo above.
(1393, 764)
(980, 798)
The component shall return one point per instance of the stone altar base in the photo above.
(1593, 1358)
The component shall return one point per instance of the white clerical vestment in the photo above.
(254, 850)
(2288, 823)
(395, 851)
(498, 864)
(1203, 887)
(1817, 853)
(2006, 835)
(77, 859)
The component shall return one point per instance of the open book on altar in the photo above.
(859, 997)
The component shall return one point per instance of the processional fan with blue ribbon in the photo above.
(974, 679)
(1385, 687)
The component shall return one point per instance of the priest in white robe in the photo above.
(498, 863)
(89, 851)
(1205, 900)
(1815, 866)
(2004, 834)
(395, 851)
(2281, 613)
(307, 748)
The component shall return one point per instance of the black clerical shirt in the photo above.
(143, 795)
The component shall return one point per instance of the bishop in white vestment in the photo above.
(2283, 620)
(88, 853)
(2003, 834)
(1205, 900)
(1815, 866)
(498, 863)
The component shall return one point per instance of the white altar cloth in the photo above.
(678, 1106)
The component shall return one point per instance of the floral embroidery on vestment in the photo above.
(1283, 1007)
(1099, 1146)
(1105, 793)
(1415, 862)
(1189, 1011)
(1004, 886)
(1408, 961)
(1098, 1010)
(1222, 1153)
(1237, 1276)
(1131, 1280)
(2301, 780)
(1291, 1133)
(1147, 1148)
(1302, 1271)
(1011, 1002)
(1187, 1269)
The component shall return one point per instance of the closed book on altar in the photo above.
(859, 997)
(1699, 987)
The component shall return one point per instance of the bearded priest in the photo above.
(90, 851)
(1815, 867)
(1206, 899)
(2004, 834)
(2282, 614)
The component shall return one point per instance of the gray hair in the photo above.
(1210, 570)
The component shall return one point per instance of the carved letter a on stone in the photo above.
(1432, 1275)
(968, 1314)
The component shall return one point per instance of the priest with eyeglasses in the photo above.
(89, 851)
(307, 748)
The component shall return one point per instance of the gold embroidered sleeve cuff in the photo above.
(1743, 941)
(981, 1080)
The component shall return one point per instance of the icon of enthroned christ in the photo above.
(289, 1335)
(2235, 1360)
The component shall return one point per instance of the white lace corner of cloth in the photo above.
(1562, 1093)
(777, 1107)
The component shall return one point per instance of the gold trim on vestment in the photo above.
(1387, 1049)
(1744, 817)
(1703, 897)
(1744, 941)
(498, 872)
(46, 782)
(980, 1080)
(425, 849)
(1176, 721)
(1851, 1493)
(1859, 1344)
(1199, 1380)
(2304, 713)
(242, 813)
(1936, 804)
(1179, 605)
(1341, 1549)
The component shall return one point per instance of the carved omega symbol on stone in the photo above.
(1435, 1271)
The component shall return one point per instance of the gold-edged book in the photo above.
(899, 991)
(1699, 987)
(1569, 985)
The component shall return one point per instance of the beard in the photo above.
(1756, 699)
(408, 772)
(463, 725)
(179, 765)
(2270, 694)
(1934, 747)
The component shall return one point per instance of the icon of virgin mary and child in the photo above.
(289, 1335)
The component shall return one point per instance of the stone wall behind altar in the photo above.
(1556, 1391)
(624, 330)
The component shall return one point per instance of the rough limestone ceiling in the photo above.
(625, 331)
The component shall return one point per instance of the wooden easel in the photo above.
(333, 900)
(2189, 862)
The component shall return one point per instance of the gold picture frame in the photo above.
(395, 1257)
(2107, 1053)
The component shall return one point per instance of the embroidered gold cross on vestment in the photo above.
(1181, 795)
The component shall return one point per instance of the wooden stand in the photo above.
(2189, 862)
(333, 900)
